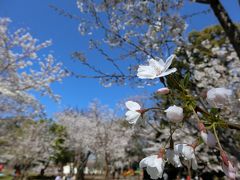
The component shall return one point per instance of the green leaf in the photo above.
(186, 79)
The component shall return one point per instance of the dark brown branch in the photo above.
(202, 1)
(108, 58)
(226, 22)
(229, 27)
(229, 124)
(233, 126)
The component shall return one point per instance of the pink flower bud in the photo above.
(201, 127)
(229, 170)
(163, 91)
(224, 157)
(207, 136)
(161, 152)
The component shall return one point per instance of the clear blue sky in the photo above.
(44, 24)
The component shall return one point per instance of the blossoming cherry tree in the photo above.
(181, 154)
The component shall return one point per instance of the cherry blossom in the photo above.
(154, 164)
(24, 71)
(156, 69)
(134, 112)
(187, 152)
(173, 158)
(218, 97)
(174, 114)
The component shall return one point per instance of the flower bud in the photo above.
(163, 91)
(227, 166)
(224, 157)
(174, 114)
(207, 136)
(218, 97)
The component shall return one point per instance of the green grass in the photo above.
(6, 178)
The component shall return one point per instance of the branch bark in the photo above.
(202, 1)
(231, 30)
(229, 27)
(233, 126)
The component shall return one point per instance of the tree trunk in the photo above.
(106, 172)
(42, 172)
(80, 172)
(81, 166)
(107, 166)
(231, 30)
(24, 171)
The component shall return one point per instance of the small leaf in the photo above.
(186, 79)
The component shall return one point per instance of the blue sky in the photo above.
(44, 24)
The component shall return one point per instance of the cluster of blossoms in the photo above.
(221, 67)
(179, 154)
(143, 28)
(22, 70)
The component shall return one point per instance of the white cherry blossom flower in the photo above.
(154, 166)
(133, 114)
(187, 152)
(174, 114)
(163, 91)
(218, 97)
(173, 158)
(156, 69)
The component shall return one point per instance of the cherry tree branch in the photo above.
(201, 1)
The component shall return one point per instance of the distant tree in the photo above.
(95, 131)
(23, 71)
(112, 136)
(28, 144)
(62, 154)
(80, 137)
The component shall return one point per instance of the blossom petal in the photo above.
(168, 62)
(157, 65)
(132, 116)
(173, 158)
(185, 150)
(170, 71)
(147, 161)
(154, 165)
(153, 172)
(194, 164)
(146, 72)
(133, 106)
